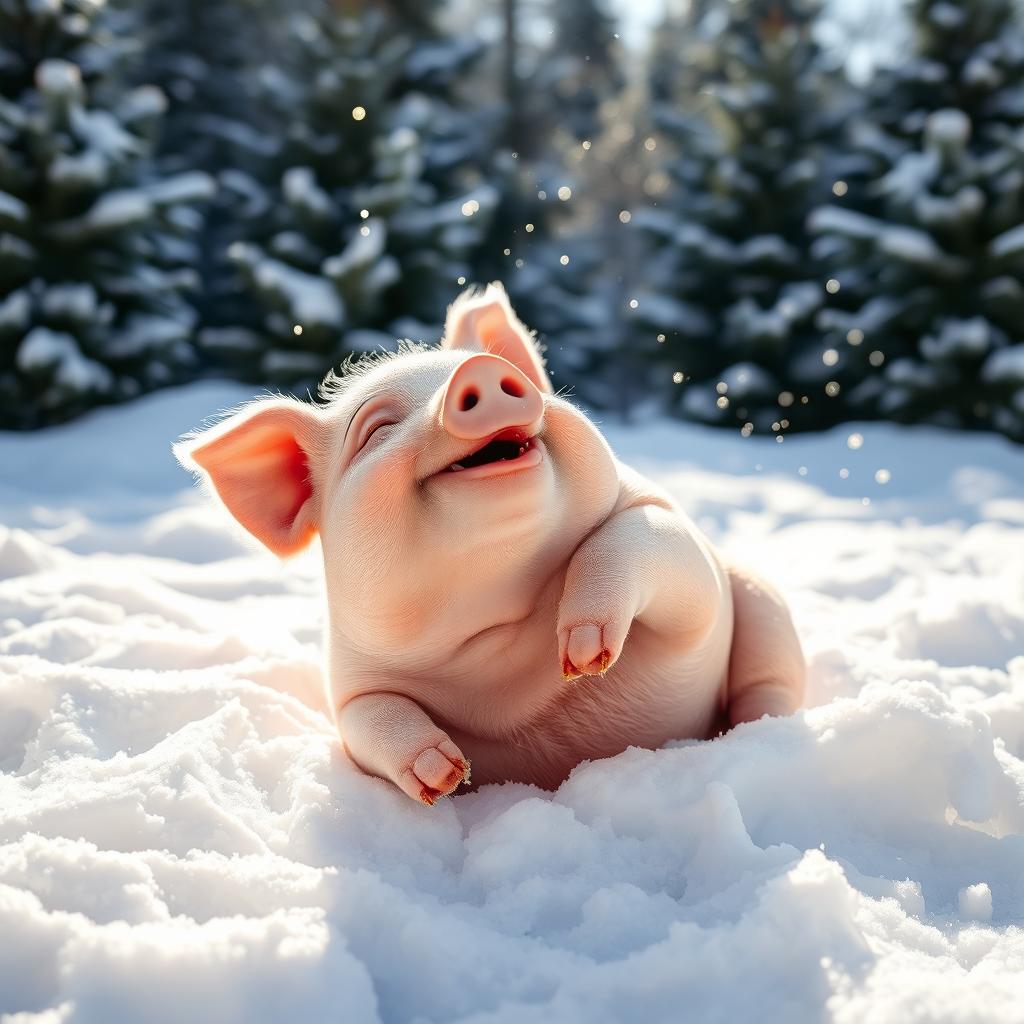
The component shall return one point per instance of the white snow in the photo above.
(181, 838)
(119, 209)
(308, 299)
(1008, 245)
(43, 349)
(1005, 364)
(59, 79)
(12, 208)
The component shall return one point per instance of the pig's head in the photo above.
(446, 484)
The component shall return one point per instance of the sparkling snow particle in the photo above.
(882, 476)
(650, 145)
(831, 286)
(721, 387)
(563, 259)
(844, 473)
(507, 252)
(469, 207)
(625, 216)
(364, 231)
(358, 113)
(542, 194)
(677, 377)
(529, 228)
(565, 193)
(876, 358)
(855, 441)
(839, 188)
(633, 303)
(723, 402)
(832, 388)
(785, 399)
(661, 339)
(364, 214)
(830, 357)
(802, 471)
(586, 144)
(854, 336)
(297, 330)
(460, 279)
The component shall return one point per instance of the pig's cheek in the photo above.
(385, 492)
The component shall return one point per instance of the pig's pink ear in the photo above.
(258, 462)
(485, 323)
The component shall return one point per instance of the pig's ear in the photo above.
(485, 323)
(258, 463)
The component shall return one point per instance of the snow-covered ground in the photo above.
(181, 838)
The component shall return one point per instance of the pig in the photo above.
(502, 591)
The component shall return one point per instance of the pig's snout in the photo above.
(487, 394)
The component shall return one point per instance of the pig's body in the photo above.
(501, 589)
(496, 687)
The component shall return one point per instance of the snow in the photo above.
(118, 209)
(1008, 245)
(59, 79)
(43, 349)
(182, 839)
(12, 209)
(308, 299)
(949, 127)
(302, 191)
(1006, 364)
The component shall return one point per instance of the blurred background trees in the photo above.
(771, 215)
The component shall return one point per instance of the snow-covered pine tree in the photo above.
(95, 248)
(379, 207)
(547, 237)
(584, 64)
(727, 314)
(215, 60)
(928, 321)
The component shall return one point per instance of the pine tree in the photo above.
(728, 311)
(584, 65)
(95, 248)
(929, 260)
(547, 241)
(217, 63)
(377, 209)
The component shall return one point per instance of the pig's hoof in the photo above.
(436, 772)
(587, 652)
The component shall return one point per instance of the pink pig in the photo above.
(501, 590)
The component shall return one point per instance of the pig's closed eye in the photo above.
(375, 430)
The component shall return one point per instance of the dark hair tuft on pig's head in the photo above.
(359, 364)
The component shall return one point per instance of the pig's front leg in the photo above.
(391, 736)
(642, 564)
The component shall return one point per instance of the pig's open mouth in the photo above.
(510, 446)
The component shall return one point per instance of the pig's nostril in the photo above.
(469, 399)
(512, 387)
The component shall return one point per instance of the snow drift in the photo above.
(181, 838)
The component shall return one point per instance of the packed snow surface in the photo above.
(182, 839)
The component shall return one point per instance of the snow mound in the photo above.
(182, 839)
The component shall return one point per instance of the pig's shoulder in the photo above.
(635, 490)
